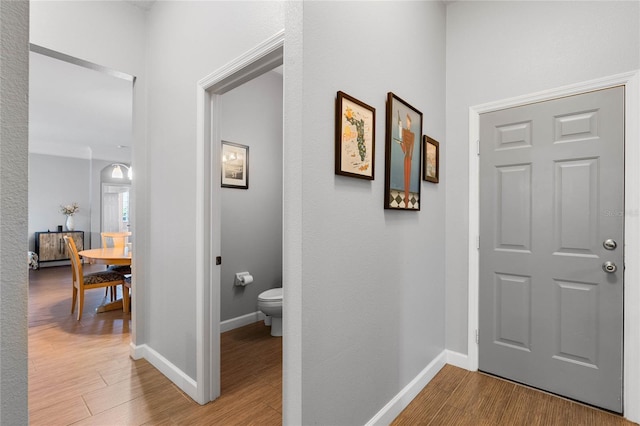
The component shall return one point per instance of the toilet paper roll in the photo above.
(246, 279)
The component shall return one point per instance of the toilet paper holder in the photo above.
(242, 279)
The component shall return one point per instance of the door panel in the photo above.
(513, 317)
(551, 191)
(576, 206)
(514, 207)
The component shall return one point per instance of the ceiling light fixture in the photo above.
(117, 171)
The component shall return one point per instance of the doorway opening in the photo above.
(264, 57)
(81, 117)
(115, 212)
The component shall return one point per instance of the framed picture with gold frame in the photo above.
(431, 160)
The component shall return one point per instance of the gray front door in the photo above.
(551, 194)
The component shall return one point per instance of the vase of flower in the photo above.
(69, 210)
(70, 223)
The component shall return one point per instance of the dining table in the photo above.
(108, 256)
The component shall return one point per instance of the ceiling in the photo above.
(142, 4)
(76, 111)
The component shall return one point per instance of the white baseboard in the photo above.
(173, 373)
(136, 352)
(241, 321)
(457, 359)
(394, 407)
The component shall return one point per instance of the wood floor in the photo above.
(460, 397)
(80, 373)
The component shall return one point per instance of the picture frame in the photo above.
(430, 159)
(235, 165)
(355, 138)
(403, 155)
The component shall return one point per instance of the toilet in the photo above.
(270, 304)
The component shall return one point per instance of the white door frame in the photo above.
(631, 82)
(262, 58)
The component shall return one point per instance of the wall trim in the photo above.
(399, 402)
(136, 352)
(173, 373)
(631, 82)
(457, 359)
(241, 321)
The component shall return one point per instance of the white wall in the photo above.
(372, 280)
(498, 50)
(14, 115)
(252, 219)
(187, 41)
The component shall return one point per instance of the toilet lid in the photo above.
(273, 294)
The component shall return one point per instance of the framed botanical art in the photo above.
(235, 165)
(403, 155)
(431, 160)
(355, 138)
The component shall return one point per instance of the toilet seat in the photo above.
(273, 295)
(270, 303)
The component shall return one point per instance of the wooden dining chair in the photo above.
(115, 240)
(83, 282)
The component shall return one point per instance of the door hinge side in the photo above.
(478, 242)
(478, 146)
(477, 337)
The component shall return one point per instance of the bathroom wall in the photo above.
(251, 237)
(494, 54)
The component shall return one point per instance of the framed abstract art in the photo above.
(403, 155)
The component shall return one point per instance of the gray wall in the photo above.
(14, 114)
(57, 180)
(373, 287)
(252, 219)
(54, 181)
(498, 50)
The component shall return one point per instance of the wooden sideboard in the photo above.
(50, 245)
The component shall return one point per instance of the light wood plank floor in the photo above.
(460, 397)
(80, 373)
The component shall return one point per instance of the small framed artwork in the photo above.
(355, 137)
(235, 165)
(403, 155)
(431, 160)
